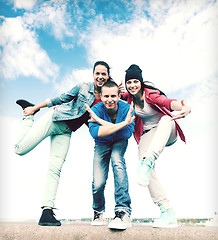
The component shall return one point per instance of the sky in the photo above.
(47, 47)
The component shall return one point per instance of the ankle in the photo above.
(46, 208)
(24, 104)
(148, 160)
(164, 208)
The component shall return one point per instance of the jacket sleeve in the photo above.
(161, 100)
(93, 126)
(64, 97)
(127, 131)
(93, 129)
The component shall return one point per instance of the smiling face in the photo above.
(134, 86)
(100, 76)
(110, 98)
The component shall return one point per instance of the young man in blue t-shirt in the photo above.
(111, 125)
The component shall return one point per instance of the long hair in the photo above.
(150, 85)
(104, 64)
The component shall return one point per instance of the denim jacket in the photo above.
(72, 103)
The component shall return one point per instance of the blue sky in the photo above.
(46, 47)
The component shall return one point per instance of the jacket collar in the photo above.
(92, 88)
(150, 91)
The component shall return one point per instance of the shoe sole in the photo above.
(30, 105)
(97, 224)
(120, 227)
(166, 226)
(50, 224)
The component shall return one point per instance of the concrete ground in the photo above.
(83, 231)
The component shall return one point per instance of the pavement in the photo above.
(84, 231)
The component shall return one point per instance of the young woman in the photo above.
(69, 114)
(155, 128)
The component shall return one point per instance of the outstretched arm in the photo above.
(182, 107)
(63, 98)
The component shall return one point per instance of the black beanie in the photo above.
(134, 72)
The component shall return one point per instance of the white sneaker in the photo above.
(121, 221)
(143, 171)
(167, 219)
(98, 219)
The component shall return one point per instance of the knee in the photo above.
(54, 170)
(166, 120)
(97, 185)
(118, 162)
(119, 167)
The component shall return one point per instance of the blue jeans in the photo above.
(102, 156)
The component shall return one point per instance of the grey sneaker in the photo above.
(98, 219)
(121, 221)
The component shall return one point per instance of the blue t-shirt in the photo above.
(125, 133)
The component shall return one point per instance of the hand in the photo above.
(121, 87)
(29, 111)
(129, 118)
(94, 117)
(184, 112)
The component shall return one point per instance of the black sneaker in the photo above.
(24, 104)
(48, 219)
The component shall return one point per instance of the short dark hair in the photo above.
(110, 84)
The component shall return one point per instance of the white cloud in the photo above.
(67, 46)
(52, 15)
(75, 77)
(180, 50)
(21, 54)
(24, 4)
